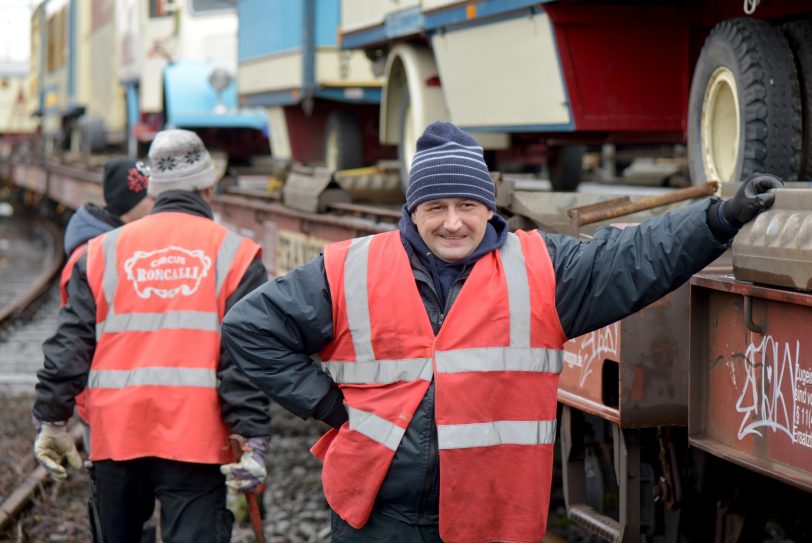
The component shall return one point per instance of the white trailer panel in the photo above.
(502, 75)
(359, 14)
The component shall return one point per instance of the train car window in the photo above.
(202, 6)
(159, 8)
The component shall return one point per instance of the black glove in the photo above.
(754, 196)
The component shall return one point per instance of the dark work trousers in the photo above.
(192, 497)
(383, 529)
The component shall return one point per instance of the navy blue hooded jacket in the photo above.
(273, 332)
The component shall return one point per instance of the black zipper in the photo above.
(429, 500)
(429, 494)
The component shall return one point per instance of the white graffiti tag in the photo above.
(768, 387)
(593, 347)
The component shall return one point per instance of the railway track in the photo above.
(30, 259)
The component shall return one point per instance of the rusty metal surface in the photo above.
(311, 189)
(751, 393)
(30, 177)
(776, 247)
(618, 208)
(289, 238)
(548, 210)
(633, 372)
(379, 184)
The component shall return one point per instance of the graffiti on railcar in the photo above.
(583, 352)
(774, 396)
(294, 249)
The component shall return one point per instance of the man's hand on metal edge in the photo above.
(755, 195)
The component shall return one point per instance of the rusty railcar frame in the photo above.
(751, 376)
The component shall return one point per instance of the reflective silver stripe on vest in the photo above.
(375, 428)
(149, 322)
(379, 372)
(225, 257)
(355, 294)
(177, 377)
(110, 279)
(518, 291)
(502, 432)
(500, 359)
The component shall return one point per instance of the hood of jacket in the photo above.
(88, 222)
(182, 201)
(444, 273)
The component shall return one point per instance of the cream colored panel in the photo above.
(83, 88)
(157, 36)
(128, 32)
(358, 14)
(436, 4)
(151, 90)
(211, 37)
(280, 141)
(344, 68)
(107, 97)
(268, 74)
(502, 74)
(14, 116)
(54, 6)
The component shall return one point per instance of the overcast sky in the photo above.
(15, 22)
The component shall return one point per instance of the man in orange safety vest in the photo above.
(434, 350)
(140, 335)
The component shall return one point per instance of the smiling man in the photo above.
(434, 351)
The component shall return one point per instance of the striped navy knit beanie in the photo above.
(448, 164)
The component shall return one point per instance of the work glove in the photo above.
(247, 474)
(53, 444)
(754, 196)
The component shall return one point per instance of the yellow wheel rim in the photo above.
(720, 126)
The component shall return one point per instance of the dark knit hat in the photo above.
(448, 164)
(125, 184)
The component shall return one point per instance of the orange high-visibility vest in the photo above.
(495, 363)
(160, 286)
(64, 279)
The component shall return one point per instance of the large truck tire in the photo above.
(744, 110)
(565, 163)
(799, 36)
(343, 144)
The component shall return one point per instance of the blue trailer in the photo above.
(322, 103)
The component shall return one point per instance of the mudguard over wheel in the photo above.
(744, 112)
(407, 147)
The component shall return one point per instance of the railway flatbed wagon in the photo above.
(675, 422)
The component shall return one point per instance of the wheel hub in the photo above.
(720, 126)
